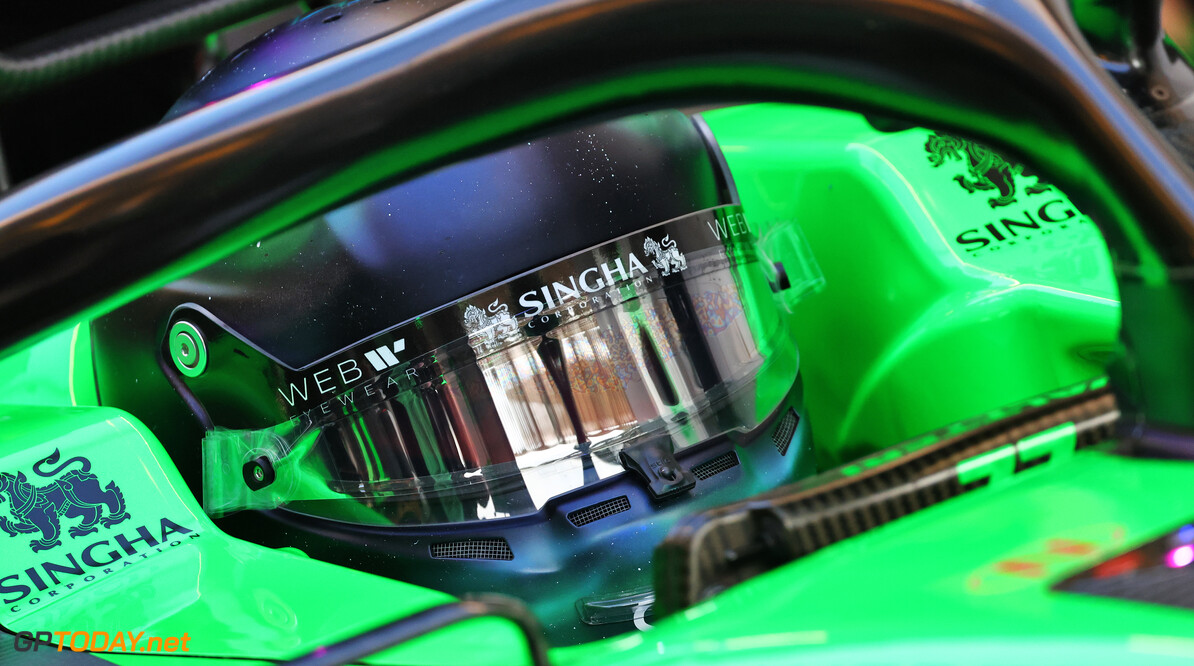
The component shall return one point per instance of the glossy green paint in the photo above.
(57, 371)
(915, 328)
(39, 375)
(233, 598)
(1055, 445)
(955, 583)
(993, 466)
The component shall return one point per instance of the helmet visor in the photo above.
(491, 406)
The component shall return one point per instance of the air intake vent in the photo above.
(472, 549)
(784, 431)
(599, 510)
(714, 466)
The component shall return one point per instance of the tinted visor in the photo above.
(491, 406)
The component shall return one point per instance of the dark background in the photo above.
(53, 126)
(56, 125)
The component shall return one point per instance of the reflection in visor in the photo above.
(683, 339)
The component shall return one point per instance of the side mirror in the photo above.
(113, 226)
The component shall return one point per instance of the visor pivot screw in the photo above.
(781, 281)
(667, 473)
(258, 473)
(188, 349)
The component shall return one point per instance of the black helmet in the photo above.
(512, 374)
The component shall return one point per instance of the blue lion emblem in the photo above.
(76, 495)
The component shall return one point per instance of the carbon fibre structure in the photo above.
(707, 553)
(1156, 572)
(123, 36)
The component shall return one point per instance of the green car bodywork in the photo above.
(938, 304)
(972, 285)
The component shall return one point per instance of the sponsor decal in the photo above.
(384, 358)
(594, 280)
(324, 382)
(78, 494)
(404, 356)
(37, 509)
(729, 224)
(664, 255)
(595, 286)
(1039, 211)
(63, 572)
(492, 325)
(986, 170)
(1039, 220)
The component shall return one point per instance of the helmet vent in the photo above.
(782, 436)
(472, 549)
(715, 466)
(595, 512)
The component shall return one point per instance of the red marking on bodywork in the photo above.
(1070, 547)
(1021, 568)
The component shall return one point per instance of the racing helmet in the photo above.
(511, 374)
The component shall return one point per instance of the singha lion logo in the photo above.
(665, 255)
(986, 169)
(493, 327)
(76, 495)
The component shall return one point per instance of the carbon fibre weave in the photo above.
(708, 552)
